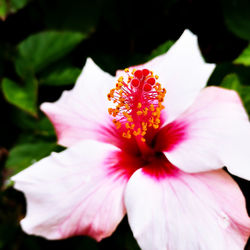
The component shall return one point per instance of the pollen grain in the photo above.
(137, 99)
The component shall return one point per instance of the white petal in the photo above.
(82, 113)
(214, 132)
(76, 192)
(187, 212)
(182, 71)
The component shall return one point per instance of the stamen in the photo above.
(138, 100)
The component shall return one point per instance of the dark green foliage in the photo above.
(24, 97)
(237, 17)
(10, 6)
(232, 81)
(42, 49)
(244, 57)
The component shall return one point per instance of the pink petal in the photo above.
(182, 71)
(214, 132)
(76, 192)
(82, 113)
(187, 211)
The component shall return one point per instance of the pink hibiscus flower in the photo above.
(153, 150)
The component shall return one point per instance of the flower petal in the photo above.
(214, 132)
(76, 192)
(187, 211)
(182, 71)
(82, 113)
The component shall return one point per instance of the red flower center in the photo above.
(137, 105)
(138, 101)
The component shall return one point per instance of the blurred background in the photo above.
(43, 47)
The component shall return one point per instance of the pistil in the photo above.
(138, 99)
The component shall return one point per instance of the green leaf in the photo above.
(223, 69)
(24, 97)
(60, 76)
(237, 17)
(24, 155)
(163, 48)
(10, 6)
(232, 81)
(3, 9)
(40, 50)
(244, 57)
(17, 4)
(35, 126)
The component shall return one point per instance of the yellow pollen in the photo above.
(137, 106)
(145, 111)
(120, 79)
(110, 110)
(152, 108)
(157, 121)
(117, 123)
(118, 86)
(144, 126)
(126, 135)
(137, 132)
(127, 106)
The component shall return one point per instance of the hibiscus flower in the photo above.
(149, 143)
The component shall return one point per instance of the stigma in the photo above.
(137, 103)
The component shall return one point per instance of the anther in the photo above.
(138, 103)
(120, 79)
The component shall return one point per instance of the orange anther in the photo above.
(152, 108)
(120, 79)
(127, 106)
(138, 102)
